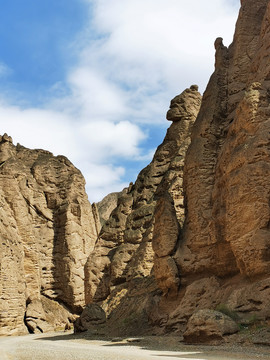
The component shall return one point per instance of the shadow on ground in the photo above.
(168, 344)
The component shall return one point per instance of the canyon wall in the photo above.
(195, 224)
(47, 231)
(124, 254)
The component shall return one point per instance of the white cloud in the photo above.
(90, 146)
(154, 48)
(134, 57)
(94, 95)
(37, 128)
(102, 179)
(110, 140)
(151, 34)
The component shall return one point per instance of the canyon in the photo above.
(185, 249)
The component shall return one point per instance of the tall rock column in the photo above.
(170, 211)
(126, 247)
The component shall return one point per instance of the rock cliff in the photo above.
(195, 224)
(142, 233)
(226, 232)
(47, 231)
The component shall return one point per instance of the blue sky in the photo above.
(93, 79)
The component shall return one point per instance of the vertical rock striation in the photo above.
(227, 165)
(226, 238)
(191, 234)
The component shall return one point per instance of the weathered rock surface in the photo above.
(200, 210)
(47, 232)
(208, 326)
(226, 172)
(91, 316)
(107, 205)
(128, 246)
(224, 257)
(124, 248)
(226, 231)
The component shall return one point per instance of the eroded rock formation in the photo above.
(201, 215)
(128, 246)
(224, 252)
(47, 232)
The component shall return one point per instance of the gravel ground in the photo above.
(63, 346)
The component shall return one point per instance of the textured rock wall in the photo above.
(201, 215)
(47, 232)
(124, 248)
(107, 205)
(225, 248)
(226, 173)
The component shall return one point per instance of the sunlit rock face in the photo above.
(227, 167)
(197, 219)
(137, 243)
(184, 106)
(47, 232)
(226, 177)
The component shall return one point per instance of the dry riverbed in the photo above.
(63, 346)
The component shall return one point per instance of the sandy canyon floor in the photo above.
(63, 346)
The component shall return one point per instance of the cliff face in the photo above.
(47, 231)
(224, 256)
(128, 247)
(226, 173)
(197, 223)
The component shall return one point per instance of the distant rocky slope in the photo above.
(107, 205)
(47, 231)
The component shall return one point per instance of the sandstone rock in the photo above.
(35, 318)
(191, 233)
(108, 204)
(166, 229)
(208, 325)
(199, 294)
(226, 229)
(251, 300)
(47, 231)
(167, 275)
(123, 250)
(208, 190)
(91, 316)
(226, 185)
(185, 105)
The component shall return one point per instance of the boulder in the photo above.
(92, 316)
(207, 325)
